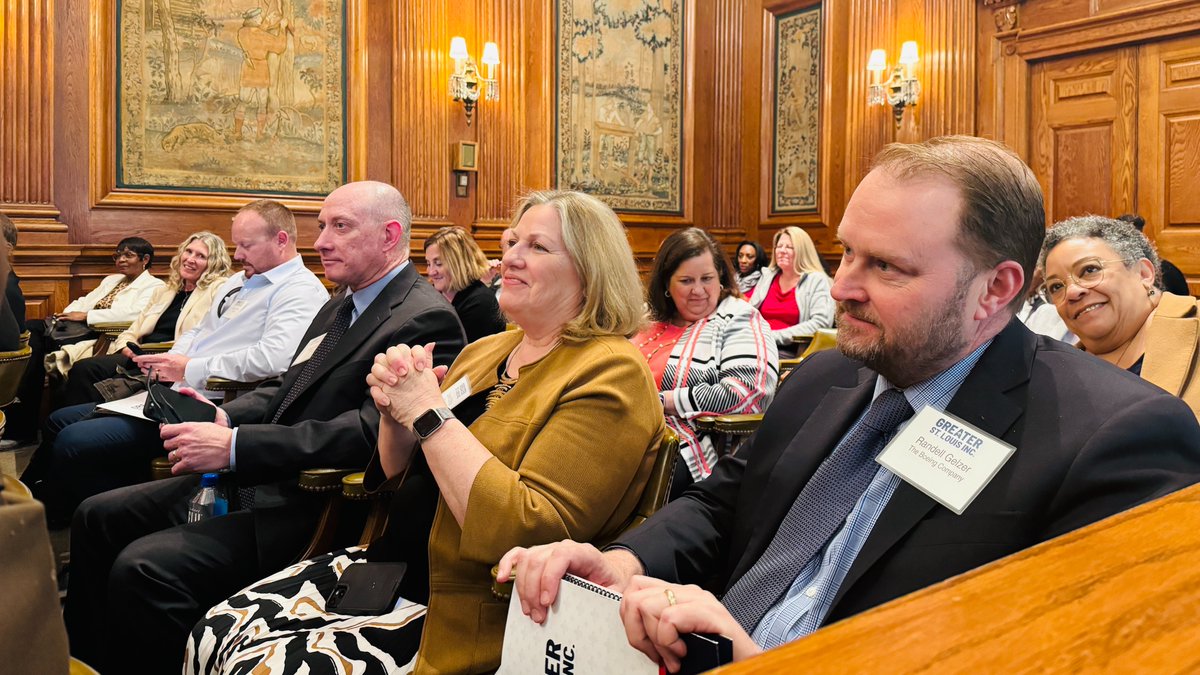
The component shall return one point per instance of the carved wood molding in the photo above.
(102, 186)
(1138, 24)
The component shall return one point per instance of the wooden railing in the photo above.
(1121, 595)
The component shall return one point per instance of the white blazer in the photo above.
(125, 307)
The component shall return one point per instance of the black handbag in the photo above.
(66, 332)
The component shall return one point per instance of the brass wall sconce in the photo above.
(902, 89)
(466, 84)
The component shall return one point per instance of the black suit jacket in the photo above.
(1091, 440)
(332, 422)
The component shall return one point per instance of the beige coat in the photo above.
(190, 315)
(1173, 348)
(574, 442)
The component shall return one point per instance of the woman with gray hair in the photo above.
(1103, 277)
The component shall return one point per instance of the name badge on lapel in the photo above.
(306, 353)
(945, 457)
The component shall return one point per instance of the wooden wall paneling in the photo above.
(26, 127)
(379, 33)
(28, 41)
(869, 128)
(537, 76)
(947, 69)
(1169, 157)
(1084, 141)
(502, 143)
(423, 109)
(835, 130)
(726, 171)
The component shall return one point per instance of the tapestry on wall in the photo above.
(231, 95)
(620, 102)
(797, 111)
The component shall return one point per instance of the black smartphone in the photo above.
(367, 588)
(135, 348)
(705, 651)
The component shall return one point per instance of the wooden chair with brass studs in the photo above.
(231, 389)
(336, 486)
(12, 367)
(157, 347)
(654, 496)
(108, 331)
(730, 431)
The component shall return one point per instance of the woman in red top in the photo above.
(793, 293)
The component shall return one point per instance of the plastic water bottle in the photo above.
(208, 500)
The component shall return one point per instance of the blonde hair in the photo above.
(219, 263)
(805, 260)
(595, 239)
(462, 257)
(277, 217)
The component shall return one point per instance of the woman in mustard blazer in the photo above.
(507, 447)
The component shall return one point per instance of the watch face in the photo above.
(429, 422)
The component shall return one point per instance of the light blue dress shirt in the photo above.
(807, 601)
(256, 332)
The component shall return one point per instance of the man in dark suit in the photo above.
(803, 527)
(140, 575)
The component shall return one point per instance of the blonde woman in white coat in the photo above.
(793, 293)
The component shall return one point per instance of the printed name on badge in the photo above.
(306, 353)
(945, 457)
(458, 392)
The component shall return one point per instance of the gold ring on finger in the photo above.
(670, 596)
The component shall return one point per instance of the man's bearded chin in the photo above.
(870, 353)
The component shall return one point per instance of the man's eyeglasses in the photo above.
(1088, 273)
(124, 255)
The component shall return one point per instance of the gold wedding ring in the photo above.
(670, 596)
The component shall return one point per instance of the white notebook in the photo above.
(582, 634)
(130, 405)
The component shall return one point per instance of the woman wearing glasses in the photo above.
(1103, 277)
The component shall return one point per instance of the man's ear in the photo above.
(1002, 284)
(281, 238)
(393, 232)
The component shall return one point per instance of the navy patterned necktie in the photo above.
(341, 321)
(819, 511)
